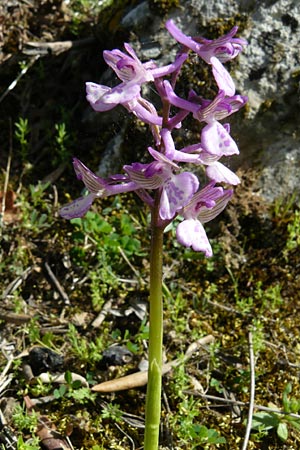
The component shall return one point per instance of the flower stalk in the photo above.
(153, 397)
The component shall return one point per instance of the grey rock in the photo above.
(268, 132)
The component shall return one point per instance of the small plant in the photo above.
(111, 238)
(22, 131)
(87, 351)
(112, 412)
(293, 229)
(31, 444)
(62, 140)
(192, 434)
(24, 420)
(36, 210)
(264, 421)
(74, 389)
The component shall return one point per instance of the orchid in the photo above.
(176, 189)
(103, 98)
(213, 52)
(204, 206)
(224, 48)
(215, 138)
(97, 188)
(133, 73)
(167, 187)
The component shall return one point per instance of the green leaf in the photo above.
(285, 399)
(264, 421)
(76, 384)
(68, 377)
(294, 422)
(60, 392)
(282, 431)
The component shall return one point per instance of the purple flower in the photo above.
(224, 48)
(184, 155)
(222, 77)
(206, 110)
(203, 207)
(176, 189)
(215, 138)
(214, 52)
(216, 171)
(131, 69)
(102, 98)
(97, 188)
(133, 73)
(128, 67)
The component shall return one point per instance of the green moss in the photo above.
(161, 7)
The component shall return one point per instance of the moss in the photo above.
(162, 7)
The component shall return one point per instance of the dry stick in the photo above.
(17, 282)
(103, 313)
(57, 285)
(139, 379)
(131, 266)
(55, 48)
(7, 172)
(252, 392)
(229, 401)
(21, 74)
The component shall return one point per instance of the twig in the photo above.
(240, 403)
(15, 82)
(17, 282)
(139, 379)
(55, 48)
(16, 318)
(57, 285)
(252, 392)
(103, 313)
(127, 435)
(7, 173)
(131, 266)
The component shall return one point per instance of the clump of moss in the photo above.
(161, 7)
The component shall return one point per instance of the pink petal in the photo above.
(77, 208)
(91, 181)
(222, 77)
(177, 192)
(221, 174)
(217, 141)
(191, 233)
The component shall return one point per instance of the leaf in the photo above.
(76, 384)
(282, 431)
(264, 420)
(285, 399)
(295, 423)
(68, 377)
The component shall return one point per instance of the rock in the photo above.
(268, 71)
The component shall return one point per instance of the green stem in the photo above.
(153, 398)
